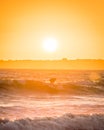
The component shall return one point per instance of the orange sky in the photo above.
(77, 25)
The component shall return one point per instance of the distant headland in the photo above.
(78, 64)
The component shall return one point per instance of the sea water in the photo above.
(28, 100)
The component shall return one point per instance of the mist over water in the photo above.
(30, 94)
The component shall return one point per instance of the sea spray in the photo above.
(65, 122)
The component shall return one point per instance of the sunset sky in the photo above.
(75, 26)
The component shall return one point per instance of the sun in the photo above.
(50, 44)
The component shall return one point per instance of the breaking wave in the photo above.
(42, 87)
(66, 122)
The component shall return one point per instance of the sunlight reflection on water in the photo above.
(20, 105)
(32, 106)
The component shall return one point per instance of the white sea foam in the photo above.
(66, 122)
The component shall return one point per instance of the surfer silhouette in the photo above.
(52, 80)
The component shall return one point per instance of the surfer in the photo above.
(52, 80)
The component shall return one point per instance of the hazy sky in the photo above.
(77, 25)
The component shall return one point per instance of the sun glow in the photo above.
(50, 44)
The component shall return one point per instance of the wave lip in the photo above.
(66, 122)
(42, 87)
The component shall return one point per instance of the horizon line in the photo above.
(63, 59)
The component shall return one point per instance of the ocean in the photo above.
(51, 99)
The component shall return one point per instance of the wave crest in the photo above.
(42, 87)
(66, 122)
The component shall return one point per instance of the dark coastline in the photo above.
(64, 64)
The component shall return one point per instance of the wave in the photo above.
(42, 87)
(66, 122)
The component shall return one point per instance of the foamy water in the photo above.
(80, 93)
(18, 107)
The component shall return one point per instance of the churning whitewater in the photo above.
(66, 122)
(41, 100)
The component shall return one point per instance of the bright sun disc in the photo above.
(50, 44)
